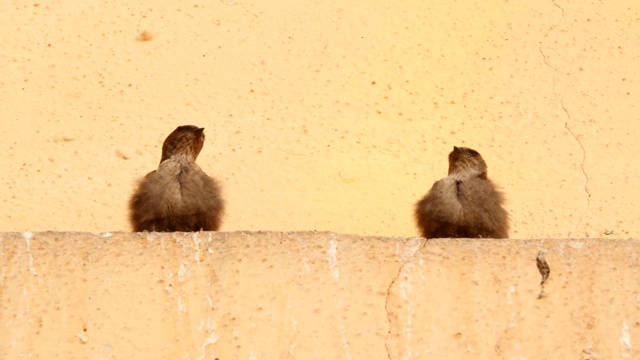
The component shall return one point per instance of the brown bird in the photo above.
(464, 204)
(178, 196)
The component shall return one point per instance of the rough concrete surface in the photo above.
(314, 295)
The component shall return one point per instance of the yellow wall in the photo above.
(327, 115)
(314, 295)
(330, 116)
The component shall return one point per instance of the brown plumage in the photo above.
(464, 204)
(178, 196)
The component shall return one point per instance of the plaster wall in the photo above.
(328, 116)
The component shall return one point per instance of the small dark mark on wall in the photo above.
(544, 269)
(144, 36)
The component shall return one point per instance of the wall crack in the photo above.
(410, 259)
(559, 96)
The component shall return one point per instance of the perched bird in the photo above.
(464, 204)
(178, 196)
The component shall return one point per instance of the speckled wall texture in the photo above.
(304, 295)
(328, 116)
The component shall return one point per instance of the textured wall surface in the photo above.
(323, 115)
(314, 295)
(330, 116)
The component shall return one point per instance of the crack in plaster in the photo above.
(545, 59)
(409, 259)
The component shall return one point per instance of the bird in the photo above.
(464, 204)
(178, 196)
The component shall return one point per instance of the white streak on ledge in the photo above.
(183, 271)
(408, 353)
(407, 250)
(406, 292)
(510, 292)
(332, 258)
(82, 336)
(625, 339)
(345, 342)
(182, 305)
(211, 339)
(27, 238)
(294, 335)
(512, 321)
(209, 249)
(406, 288)
(196, 244)
(576, 244)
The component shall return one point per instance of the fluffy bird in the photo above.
(465, 204)
(178, 196)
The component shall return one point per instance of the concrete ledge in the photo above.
(313, 295)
